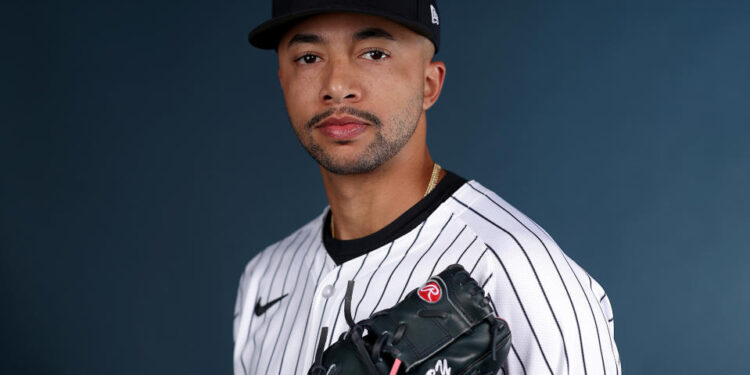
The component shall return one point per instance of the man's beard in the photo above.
(377, 152)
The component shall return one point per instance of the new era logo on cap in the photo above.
(435, 18)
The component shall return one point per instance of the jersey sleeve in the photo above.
(554, 309)
(557, 324)
(238, 307)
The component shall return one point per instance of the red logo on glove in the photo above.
(430, 292)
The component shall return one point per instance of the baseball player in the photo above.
(358, 77)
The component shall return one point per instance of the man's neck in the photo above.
(362, 204)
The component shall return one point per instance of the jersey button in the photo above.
(327, 291)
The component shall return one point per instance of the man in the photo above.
(358, 78)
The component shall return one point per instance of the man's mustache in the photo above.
(367, 116)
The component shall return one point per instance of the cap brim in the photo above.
(268, 34)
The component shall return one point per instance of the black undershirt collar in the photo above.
(343, 250)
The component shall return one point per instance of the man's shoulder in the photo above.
(500, 225)
(306, 234)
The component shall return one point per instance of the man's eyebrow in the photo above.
(305, 38)
(372, 32)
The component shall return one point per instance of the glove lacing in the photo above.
(317, 367)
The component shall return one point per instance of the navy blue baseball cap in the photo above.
(421, 16)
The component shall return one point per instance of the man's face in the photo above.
(354, 87)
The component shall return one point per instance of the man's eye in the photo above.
(307, 59)
(375, 55)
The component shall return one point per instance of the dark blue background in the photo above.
(146, 157)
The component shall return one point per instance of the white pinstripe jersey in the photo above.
(560, 317)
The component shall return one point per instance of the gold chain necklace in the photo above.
(433, 182)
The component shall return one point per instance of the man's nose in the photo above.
(341, 83)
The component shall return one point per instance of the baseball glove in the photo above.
(445, 327)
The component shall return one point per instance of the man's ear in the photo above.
(433, 83)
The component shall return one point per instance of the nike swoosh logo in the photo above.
(260, 309)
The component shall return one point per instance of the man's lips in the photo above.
(339, 121)
(342, 128)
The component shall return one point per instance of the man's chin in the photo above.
(352, 159)
(351, 168)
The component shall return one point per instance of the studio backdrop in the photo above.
(146, 156)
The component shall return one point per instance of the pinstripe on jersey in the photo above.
(560, 318)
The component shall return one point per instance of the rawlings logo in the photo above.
(441, 368)
(430, 292)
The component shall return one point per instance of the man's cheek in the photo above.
(294, 105)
